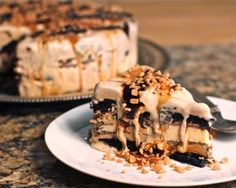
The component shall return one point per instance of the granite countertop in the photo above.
(25, 160)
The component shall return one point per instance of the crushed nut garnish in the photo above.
(119, 160)
(173, 165)
(155, 162)
(144, 171)
(158, 169)
(188, 167)
(127, 164)
(132, 159)
(128, 109)
(167, 161)
(224, 160)
(134, 101)
(134, 92)
(109, 155)
(180, 169)
(214, 166)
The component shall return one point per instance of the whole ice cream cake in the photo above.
(67, 47)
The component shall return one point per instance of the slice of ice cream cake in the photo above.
(147, 108)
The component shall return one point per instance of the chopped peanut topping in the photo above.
(134, 101)
(134, 92)
(144, 171)
(224, 160)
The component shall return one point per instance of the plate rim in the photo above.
(154, 184)
(16, 99)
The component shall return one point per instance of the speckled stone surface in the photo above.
(26, 162)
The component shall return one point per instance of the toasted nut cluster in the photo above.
(214, 166)
(149, 147)
(224, 160)
(109, 156)
(134, 101)
(144, 171)
(158, 169)
(156, 163)
(141, 77)
(180, 169)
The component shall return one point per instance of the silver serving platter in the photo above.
(149, 54)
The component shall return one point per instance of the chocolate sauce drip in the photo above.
(134, 107)
(144, 120)
(9, 47)
(126, 29)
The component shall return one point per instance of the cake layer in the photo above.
(198, 141)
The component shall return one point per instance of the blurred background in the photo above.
(171, 22)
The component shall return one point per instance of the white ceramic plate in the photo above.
(66, 139)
